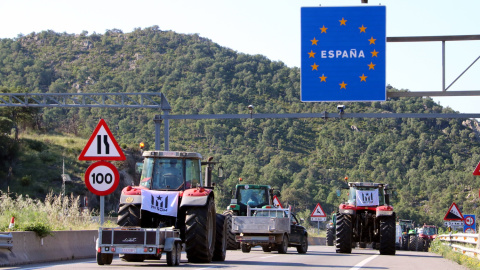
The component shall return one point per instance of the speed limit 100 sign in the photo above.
(102, 178)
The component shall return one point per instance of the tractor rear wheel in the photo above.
(412, 243)
(420, 243)
(387, 235)
(344, 233)
(231, 243)
(220, 239)
(330, 236)
(129, 215)
(200, 232)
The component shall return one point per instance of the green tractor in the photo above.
(408, 233)
(254, 196)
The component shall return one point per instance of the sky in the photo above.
(272, 28)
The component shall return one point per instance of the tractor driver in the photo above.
(172, 175)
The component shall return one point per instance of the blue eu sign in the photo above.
(343, 53)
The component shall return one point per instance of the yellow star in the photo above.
(324, 29)
(323, 78)
(314, 66)
(362, 29)
(374, 53)
(311, 54)
(342, 21)
(372, 40)
(314, 41)
(343, 85)
(363, 78)
(371, 66)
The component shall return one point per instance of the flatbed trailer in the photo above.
(138, 244)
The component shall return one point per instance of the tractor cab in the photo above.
(253, 196)
(171, 170)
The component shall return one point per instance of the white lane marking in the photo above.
(268, 256)
(362, 263)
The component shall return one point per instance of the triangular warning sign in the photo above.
(318, 211)
(102, 145)
(276, 202)
(477, 170)
(453, 213)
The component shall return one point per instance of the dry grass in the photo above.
(55, 213)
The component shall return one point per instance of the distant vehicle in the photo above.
(426, 235)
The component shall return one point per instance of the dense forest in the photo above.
(429, 162)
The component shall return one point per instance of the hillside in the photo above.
(429, 161)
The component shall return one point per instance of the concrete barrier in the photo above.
(63, 245)
(317, 241)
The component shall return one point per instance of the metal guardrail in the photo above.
(6, 240)
(468, 243)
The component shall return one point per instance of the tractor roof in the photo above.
(249, 186)
(365, 184)
(172, 154)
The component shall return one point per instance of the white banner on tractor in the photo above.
(160, 202)
(367, 197)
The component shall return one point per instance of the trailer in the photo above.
(270, 228)
(138, 244)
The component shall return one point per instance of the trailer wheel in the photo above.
(172, 256)
(246, 248)
(129, 215)
(282, 248)
(387, 235)
(220, 239)
(303, 248)
(103, 258)
(100, 259)
(344, 234)
(231, 243)
(200, 232)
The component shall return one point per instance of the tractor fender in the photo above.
(131, 195)
(196, 197)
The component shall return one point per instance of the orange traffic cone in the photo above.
(12, 223)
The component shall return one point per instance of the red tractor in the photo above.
(366, 218)
(172, 193)
(426, 235)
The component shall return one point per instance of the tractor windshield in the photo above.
(252, 197)
(170, 173)
(429, 231)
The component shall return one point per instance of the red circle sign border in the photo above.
(469, 219)
(116, 177)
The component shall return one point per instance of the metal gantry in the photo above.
(159, 101)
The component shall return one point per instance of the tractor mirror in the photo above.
(220, 172)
